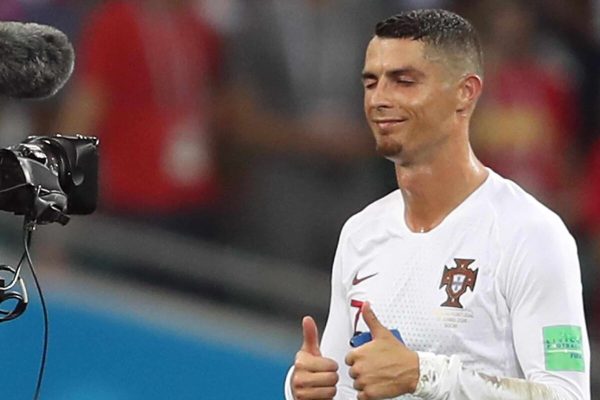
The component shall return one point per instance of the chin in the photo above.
(389, 149)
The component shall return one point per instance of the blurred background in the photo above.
(233, 148)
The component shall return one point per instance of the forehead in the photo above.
(384, 54)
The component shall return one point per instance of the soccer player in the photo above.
(481, 281)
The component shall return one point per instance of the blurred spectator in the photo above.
(295, 107)
(590, 251)
(223, 15)
(590, 221)
(145, 79)
(526, 124)
(570, 25)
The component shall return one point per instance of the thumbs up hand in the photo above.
(310, 334)
(383, 368)
(314, 376)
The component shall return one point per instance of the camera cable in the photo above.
(28, 228)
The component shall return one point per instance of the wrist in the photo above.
(437, 375)
(414, 374)
(424, 381)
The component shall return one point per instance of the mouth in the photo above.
(388, 123)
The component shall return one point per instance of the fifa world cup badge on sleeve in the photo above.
(563, 348)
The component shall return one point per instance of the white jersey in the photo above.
(494, 291)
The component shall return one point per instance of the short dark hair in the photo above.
(441, 30)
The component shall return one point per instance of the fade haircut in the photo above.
(442, 31)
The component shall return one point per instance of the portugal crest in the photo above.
(457, 280)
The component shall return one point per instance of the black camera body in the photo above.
(46, 178)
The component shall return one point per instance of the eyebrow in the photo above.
(393, 73)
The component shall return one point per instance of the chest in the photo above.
(440, 294)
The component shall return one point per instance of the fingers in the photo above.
(363, 391)
(304, 379)
(350, 358)
(320, 393)
(308, 385)
(378, 332)
(310, 333)
(353, 372)
(307, 362)
(366, 395)
(376, 328)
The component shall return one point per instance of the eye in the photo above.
(369, 83)
(405, 82)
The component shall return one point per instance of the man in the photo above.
(481, 280)
(286, 116)
(145, 87)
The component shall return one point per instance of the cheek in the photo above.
(419, 103)
(423, 112)
(436, 109)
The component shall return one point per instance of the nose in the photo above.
(378, 98)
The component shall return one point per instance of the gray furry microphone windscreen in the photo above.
(35, 60)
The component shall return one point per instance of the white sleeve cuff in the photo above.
(287, 388)
(437, 375)
(442, 377)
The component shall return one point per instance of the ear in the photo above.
(469, 90)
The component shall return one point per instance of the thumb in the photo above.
(376, 328)
(310, 344)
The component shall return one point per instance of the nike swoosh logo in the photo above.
(358, 280)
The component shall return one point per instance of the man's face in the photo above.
(410, 99)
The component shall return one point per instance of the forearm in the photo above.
(443, 377)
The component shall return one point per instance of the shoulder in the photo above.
(533, 241)
(538, 255)
(518, 213)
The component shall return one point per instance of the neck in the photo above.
(433, 189)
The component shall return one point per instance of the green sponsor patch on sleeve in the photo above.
(563, 348)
